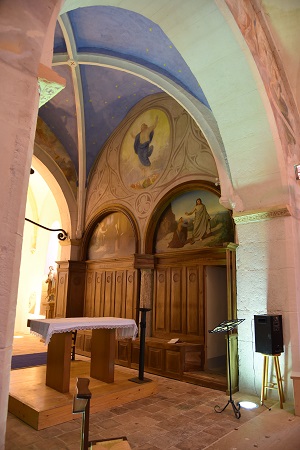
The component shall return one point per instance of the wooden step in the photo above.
(41, 406)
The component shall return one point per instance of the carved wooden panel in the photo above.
(70, 288)
(109, 300)
(119, 292)
(61, 294)
(83, 342)
(155, 359)
(173, 363)
(176, 304)
(162, 358)
(99, 293)
(130, 297)
(88, 341)
(111, 290)
(76, 288)
(135, 354)
(179, 301)
(89, 294)
(194, 316)
(123, 352)
(79, 340)
(161, 296)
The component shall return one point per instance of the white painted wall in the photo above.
(42, 208)
(266, 285)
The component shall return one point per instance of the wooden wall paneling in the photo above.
(202, 329)
(162, 293)
(99, 286)
(76, 289)
(89, 294)
(61, 293)
(173, 364)
(135, 354)
(87, 342)
(120, 291)
(109, 307)
(177, 300)
(131, 295)
(194, 300)
(155, 360)
(123, 352)
(79, 341)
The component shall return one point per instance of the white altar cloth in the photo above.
(125, 328)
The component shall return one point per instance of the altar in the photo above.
(57, 334)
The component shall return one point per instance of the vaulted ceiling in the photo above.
(97, 50)
(115, 53)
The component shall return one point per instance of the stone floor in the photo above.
(180, 416)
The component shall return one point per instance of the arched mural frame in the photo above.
(166, 200)
(101, 214)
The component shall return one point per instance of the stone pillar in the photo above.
(23, 38)
(145, 264)
(266, 284)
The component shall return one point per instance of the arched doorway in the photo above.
(40, 251)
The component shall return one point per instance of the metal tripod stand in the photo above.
(227, 326)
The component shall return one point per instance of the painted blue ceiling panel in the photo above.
(59, 41)
(108, 96)
(60, 115)
(118, 32)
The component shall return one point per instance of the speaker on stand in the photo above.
(269, 342)
(268, 334)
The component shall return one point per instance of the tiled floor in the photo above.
(180, 416)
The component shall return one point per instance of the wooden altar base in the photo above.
(41, 407)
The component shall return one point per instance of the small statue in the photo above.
(51, 280)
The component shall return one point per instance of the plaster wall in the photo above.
(187, 158)
(266, 285)
(36, 254)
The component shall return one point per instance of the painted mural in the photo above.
(194, 220)
(46, 140)
(112, 237)
(145, 150)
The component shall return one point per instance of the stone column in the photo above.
(20, 55)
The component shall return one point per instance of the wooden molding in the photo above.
(143, 261)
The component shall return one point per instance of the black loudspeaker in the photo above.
(268, 334)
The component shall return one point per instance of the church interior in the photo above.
(134, 187)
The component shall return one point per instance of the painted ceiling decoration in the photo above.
(106, 76)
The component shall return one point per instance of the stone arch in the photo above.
(61, 189)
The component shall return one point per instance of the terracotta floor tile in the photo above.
(180, 416)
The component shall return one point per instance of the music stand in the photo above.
(227, 326)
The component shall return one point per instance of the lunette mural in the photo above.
(194, 219)
(112, 237)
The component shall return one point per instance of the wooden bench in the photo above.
(161, 357)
